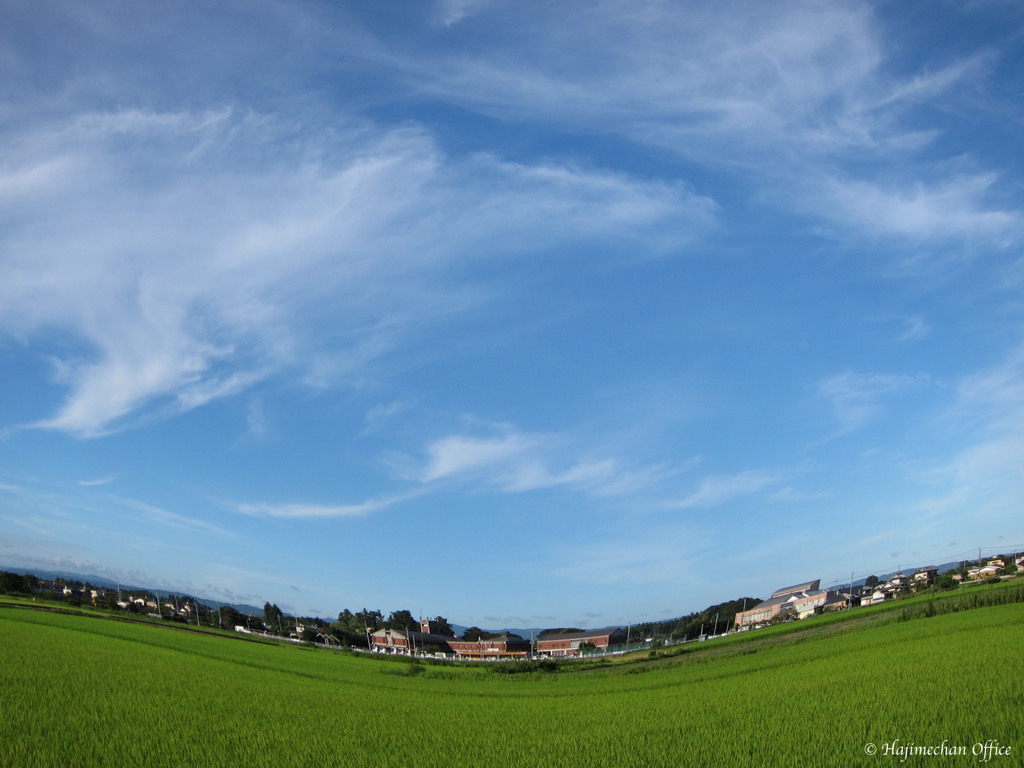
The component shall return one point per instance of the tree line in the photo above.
(713, 619)
(354, 628)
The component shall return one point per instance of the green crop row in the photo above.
(87, 691)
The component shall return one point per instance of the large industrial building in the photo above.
(799, 601)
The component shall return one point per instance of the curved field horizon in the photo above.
(931, 675)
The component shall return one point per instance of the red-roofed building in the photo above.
(568, 644)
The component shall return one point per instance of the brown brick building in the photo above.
(568, 644)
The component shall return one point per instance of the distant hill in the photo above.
(883, 577)
(102, 581)
(42, 573)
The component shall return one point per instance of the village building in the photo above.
(985, 572)
(887, 590)
(799, 601)
(568, 643)
(925, 576)
(505, 646)
(408, 642)
(846, 597)
(432, 639)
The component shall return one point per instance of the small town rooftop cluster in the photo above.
(802, 600)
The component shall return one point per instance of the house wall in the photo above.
(383, 639)
(805, 606)
(571, 645)
(757, 616)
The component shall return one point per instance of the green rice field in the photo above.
(85, 691)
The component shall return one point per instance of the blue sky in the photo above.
(523, 314)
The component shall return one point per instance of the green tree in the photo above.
(401, 620)
(475, 633)
(351, 628)
(946, 581)
(558, 631)
(871, 582)
(11, 583)
(31, 583)
(443, 626)
(230, 617)
(272, 616)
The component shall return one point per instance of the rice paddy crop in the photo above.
(88, 691)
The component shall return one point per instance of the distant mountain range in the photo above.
(102, 581)
(884, 577)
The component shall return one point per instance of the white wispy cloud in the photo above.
(516, 462)
(921, 211)
(972, 484)
(506, 461)
(859, 398)
(186, 252)
(383, 413)
(806, 97)
(450, 12)
(719, 489)
(648, 555)
(658, 71)
(996, 393)
(171, 519)
(459, 454)
(990, 404)
(789, 494)
(297, 511)
(189, 256)
(915, 328)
